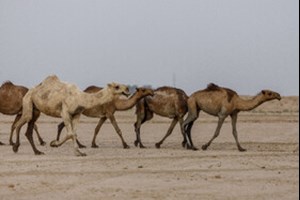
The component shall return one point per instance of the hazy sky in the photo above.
(246, 45)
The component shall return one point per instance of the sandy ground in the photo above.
(268, 170)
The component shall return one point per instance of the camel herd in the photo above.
(59, 99)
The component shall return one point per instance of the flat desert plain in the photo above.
(268, 170)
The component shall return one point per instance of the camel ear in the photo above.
(263, 92)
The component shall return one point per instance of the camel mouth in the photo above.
(126, 94)
(278, 97)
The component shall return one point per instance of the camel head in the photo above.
(119, 89)
(145, 91)
(270, 95)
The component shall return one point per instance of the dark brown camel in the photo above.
(11, 104)
(106, 111)
(221, 102)
(167, 102)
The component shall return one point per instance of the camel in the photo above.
(221, 102)
(107, 110)
(58, 99)
(11, 104)
(167, 102)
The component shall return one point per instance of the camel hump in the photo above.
(164, 88)
(212, 87)
(7, 83)
(170, 90)
(52, 78)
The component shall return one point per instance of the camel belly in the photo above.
(50, 110)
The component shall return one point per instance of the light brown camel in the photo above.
(58, 99)
(167, 102)
(221, 102)
(11, 104)
(107, 110)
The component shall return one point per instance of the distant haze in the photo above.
(245, 45)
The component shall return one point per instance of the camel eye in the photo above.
(270, 94)
(117, 87)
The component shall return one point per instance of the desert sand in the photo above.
(268, 170)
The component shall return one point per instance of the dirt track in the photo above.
(268, 170)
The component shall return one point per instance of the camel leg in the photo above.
(13, 127)
(97, 129)
(27, 115)
(189, 142)
(217, 132)
(187, 125)
(147, 115)
(60, 127)
(18, 128)
(171, 128)
(234, 131)
(29, 131)
(182, 132)
(75, 122)
(137, 128)
(71, 124)
(118, 130)
(42, 142)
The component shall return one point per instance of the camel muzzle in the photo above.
(126, 94)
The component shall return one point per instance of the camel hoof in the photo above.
(204, 147)
(42, 143)
(136, 143)
(189, 147)
(94, 146)
(1, 143)
(39, 153)
(157, 145)
(183, 144)
(80, 154)
(53, 143)
(81, 146)
(142, 146)
(195, 149)
(16, 148)
(126, 146)
(242, 149)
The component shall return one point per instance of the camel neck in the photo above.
(249, 104)
(125, 104)
(91, 100)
